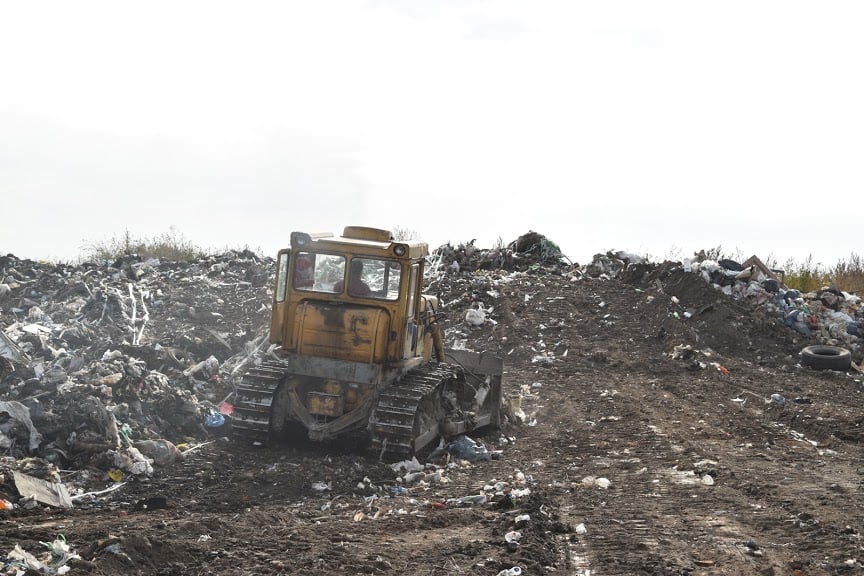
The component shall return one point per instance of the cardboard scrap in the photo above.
(50, 493)
(754, 263)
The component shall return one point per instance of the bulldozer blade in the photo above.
(481, 368)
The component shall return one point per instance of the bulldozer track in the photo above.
(253, 401)
(398, 423)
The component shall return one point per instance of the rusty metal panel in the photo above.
(333, 369)
(343, 332)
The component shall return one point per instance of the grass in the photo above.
(846, 275)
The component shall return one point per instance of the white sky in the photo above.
(658, 128)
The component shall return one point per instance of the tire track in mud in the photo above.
(658, 515)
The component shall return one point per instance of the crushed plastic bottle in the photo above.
(469, 500)
(514, 571)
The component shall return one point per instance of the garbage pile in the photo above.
(827, 316)
(110, 366)
(531, 251)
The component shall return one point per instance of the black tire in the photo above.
(823, 357)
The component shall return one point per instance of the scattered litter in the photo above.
(412, 465)
(592, 481)
(512, 539)
(50, 493)
(52, 562)
(163, 452)
(474, 317)
(214, 420)
(467, 448)
(90, 495)
(580, 529)
(471, 500)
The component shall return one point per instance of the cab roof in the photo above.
(359, 239)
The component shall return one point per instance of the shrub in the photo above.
(169, 245)
(404, 234)
(848, 275)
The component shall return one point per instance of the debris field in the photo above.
(658, 420)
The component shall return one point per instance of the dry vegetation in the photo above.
(170, 245)
(847, 275)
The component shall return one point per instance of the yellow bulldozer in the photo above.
(359, 349)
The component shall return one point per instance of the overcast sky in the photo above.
(658, 128)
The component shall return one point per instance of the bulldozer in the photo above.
(356, 348)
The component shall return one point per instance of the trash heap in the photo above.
(828, 316)
(109, 366)
(531, 251)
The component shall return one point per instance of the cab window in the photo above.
(317, 272)
(382, 276)
(282, 277)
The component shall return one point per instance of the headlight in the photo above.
(300, 239)
(400, 249)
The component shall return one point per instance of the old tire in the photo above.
(823, 357)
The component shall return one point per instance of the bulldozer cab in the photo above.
(355, 297)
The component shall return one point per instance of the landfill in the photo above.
(636, 393)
